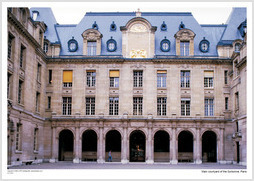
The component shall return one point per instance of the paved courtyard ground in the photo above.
(115, 165)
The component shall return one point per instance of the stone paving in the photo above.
(117, 165)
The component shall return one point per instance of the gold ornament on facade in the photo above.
(138, 54)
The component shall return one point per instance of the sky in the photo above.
(204, 13)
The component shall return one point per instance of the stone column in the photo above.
(221, 147)
(124, 146)
(77, 146)
(54, 146)
(149, 146)
(174, 148)
(197, 147)
(100, 146)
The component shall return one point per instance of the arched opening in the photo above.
(66, 141)
(113, 144)
(137, 146)
(89, 146)
(161, 146)
(185, 146)
(209, 147)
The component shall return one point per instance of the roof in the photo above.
(215, 34)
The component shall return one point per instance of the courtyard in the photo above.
(115, 165)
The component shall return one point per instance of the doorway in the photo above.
(137, 146)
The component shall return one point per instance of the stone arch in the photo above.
(113, 143)
(89, 139)
(141, 129)
(110, 129)
(58, 131)
(139, 20)
(210, 129)
(66, 145)
(161, 129)
(161, 145)
(209, 146)
(137, 146)
(185, 145)
(87, 129)
(188, 129)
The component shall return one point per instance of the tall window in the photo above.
(208, 79)
(185, 107)
(161, 106)
(50, 76)
(66, 105)
(37, 104)
(113, 105)
(209, 109)
(9, 85)
(114, 78)
(237, 100)
(90, 78)
(225, 77)
(49, 102)
(39, 72)
(185, 78)
(226, 103)
(18, 137)
(137, 78)
(22, 56)
(40, 37)
(36, 139)
(67, 78)
(90, 106)
(20, 92)
(161, 78)
(10, 45)
(137, 105)
(91, 48)
(45, 47)
(184, 48)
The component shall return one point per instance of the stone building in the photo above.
(150, 87)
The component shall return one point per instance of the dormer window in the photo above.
(111, 45)
(45, 47)
(185, 42)
(163, 26)
(237, 47)
(35, 15)
(113, 26)
(204, 45)
(72, 45)
(95, 26)
(165, 45)
(91, 42)
(181, 26)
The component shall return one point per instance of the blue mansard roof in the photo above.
(215, 34)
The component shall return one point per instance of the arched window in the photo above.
(111, 45)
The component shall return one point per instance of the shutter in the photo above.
(208, 73)
(114, 73)
(161, 71)
(67, 76)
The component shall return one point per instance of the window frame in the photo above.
(137, 78)
(91, 48)
(137, 105)
(209, 106)
(90, 105)
(114, 106)
(184, 49)
(185, 79)
(161, 80)
(185, 107)
(161, 106)
(67, 105)
(91, 78)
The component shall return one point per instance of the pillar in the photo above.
(149, 147)
(173, 150)
(77, 146)
(54, 145)
(124, 147)
(100, 146)
(197, 155)
(221, 147)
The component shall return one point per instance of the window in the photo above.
(137, 105)
(113, 26)
(18, 137)
(90, 106)
(226, 103)
(184, 48)
(37, 104)
(9, 80)
(22, 56)
(45, 47)
(161, 106)
(40, 37)
(39, 72)
(35, 15)
(225, 77)
(163, 26)
(209, 107)
(91, 48)
(185, 78)
(185, 107)
(204, 45)
(66, 105)
(72, 45)
(90, 78)
(113, 105)
(137, 78)
(49, 102)
(114, 78)
(20, 92)
(50, 76)
(165, 45)
(237, 47)
(10, 45)
(208, 79)
(237, 100)
(36, 139)
(111, 45)
(161, 78)
(67, 78)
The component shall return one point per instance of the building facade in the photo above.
(149, 87)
